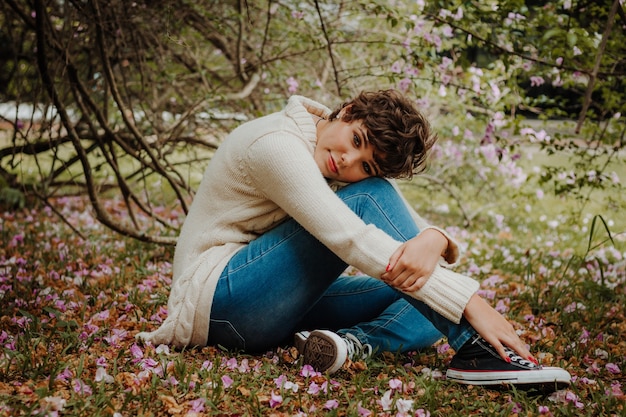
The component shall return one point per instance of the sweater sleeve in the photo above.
(282, 169)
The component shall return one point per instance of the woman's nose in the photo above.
(347, 158)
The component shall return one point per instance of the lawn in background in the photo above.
(70, 307)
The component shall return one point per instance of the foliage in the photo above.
(70, 306)
(130, 99)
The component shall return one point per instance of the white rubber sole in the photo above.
(546, 376)
(299, 340)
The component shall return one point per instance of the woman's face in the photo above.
(343, 151)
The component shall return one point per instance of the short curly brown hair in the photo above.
(398, 131)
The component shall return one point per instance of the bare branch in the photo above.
(596, 67)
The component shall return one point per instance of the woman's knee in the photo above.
(373, 185)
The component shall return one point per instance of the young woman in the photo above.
(286, 204)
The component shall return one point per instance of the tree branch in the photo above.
(596, 67)
(329, 46)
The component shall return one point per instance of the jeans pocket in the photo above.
(223, 333)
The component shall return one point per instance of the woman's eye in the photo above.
(367, 168)
(357, 141)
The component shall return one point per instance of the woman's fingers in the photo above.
(405, 280)
(495, 329)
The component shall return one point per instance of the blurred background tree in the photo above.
(129, 99)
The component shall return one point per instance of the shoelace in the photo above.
(356, 350)
(516, 358)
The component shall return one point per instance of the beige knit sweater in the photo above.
(263, 173)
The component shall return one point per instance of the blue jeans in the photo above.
(286, 280)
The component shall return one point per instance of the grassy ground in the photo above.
(69, 310)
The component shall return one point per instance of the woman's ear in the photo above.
(344, 110)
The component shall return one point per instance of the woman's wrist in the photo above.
(438, 239)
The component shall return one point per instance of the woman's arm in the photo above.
(414, 261)
(283, 170)
(494, 328)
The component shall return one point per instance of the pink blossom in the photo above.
(395, 384)
(291, 386)
(197, 405)
(149, 364)
(492, 281)
(53, 405)
(512, 18)
(244, 366)
(613, 368)
(616, 390)
(293, 85)
(584, 336)
(17, 240)
(102, 375)
(501, 306)
(593, 369)
(516, 408)
(231, 363)
(570, 397)
(404, 406)
(65, 375)
(163, 349)
(297, 14)
(396, 67)
(227, 381)
(422, 413)
(280, 381)
(385, 401)
(443, 348)
(544, 410)
(275, 400)
(331, 404)
(404, 84)
(308, 371)
(314, 388)
(81, 388)
(536, 81)
(363, 412)
(136, 351)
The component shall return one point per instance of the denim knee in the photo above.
(373, 186)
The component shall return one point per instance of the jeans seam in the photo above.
(361, 291)
(298, 229)
(392, 319)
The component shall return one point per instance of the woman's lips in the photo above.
(331, 163)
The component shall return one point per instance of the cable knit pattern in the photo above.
(262, 174)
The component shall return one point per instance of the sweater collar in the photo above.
(300, 109)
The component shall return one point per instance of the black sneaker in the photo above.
(478, 363)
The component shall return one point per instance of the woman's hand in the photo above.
(415, 260)
(494, 328)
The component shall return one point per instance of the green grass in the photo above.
(70, 309)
